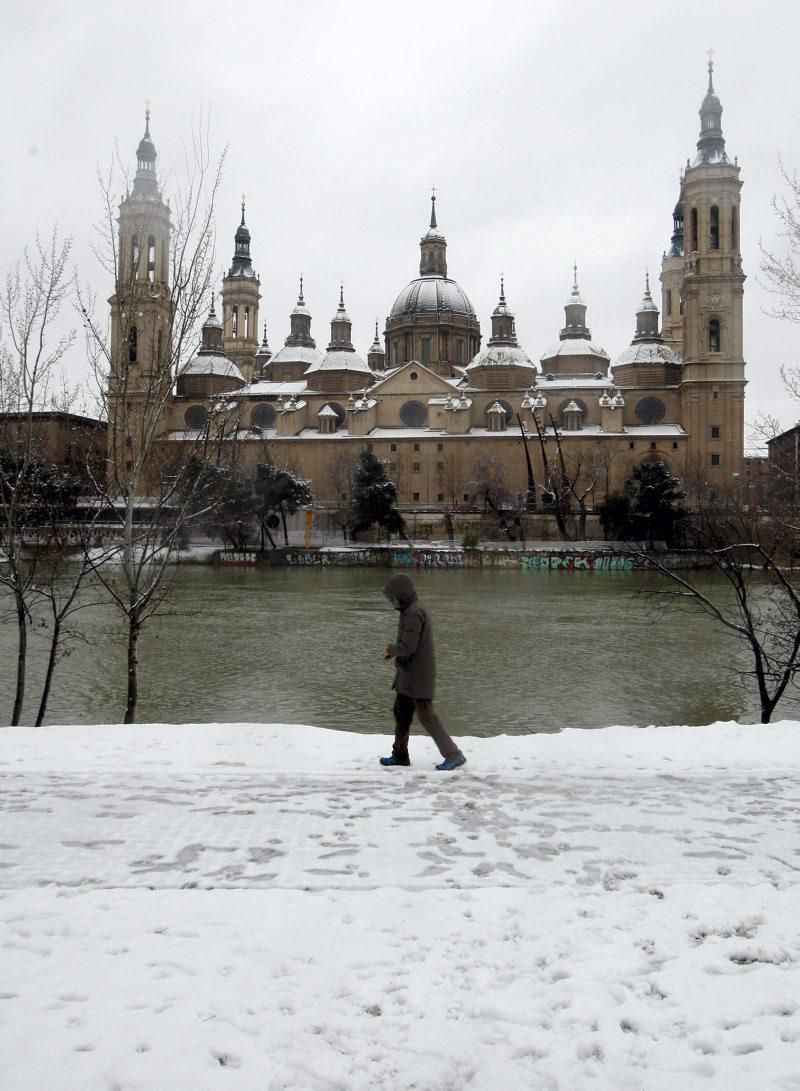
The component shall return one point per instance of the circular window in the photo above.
(263, 415)
(413, 376)
(413, 414)
(195, 417)
(505, 405)
(650, 411)
(339, 410)
(580, 404)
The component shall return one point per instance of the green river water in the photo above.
(517, 652)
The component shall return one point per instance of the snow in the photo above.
(263, 906)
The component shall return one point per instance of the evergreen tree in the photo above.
(280, 493)
(656, 508)
(374, 498)
(615, 514)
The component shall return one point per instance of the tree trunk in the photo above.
(285, 531)
(134, 628)
(51, 666)
(22, 658)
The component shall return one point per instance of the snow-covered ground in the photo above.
(262, 906)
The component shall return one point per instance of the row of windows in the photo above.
(714, 229)
(403, 350)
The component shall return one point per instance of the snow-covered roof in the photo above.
(574, 346)
(502, 356)
(294, 354)
(326, 411)
(647, 352)
(210, 364)
(267, 388)
(546, 386)
(340, 360)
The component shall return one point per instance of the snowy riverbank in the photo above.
(262, 906)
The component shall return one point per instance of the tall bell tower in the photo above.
(240, 297)
(141, 374)
(712, 291)
(141, 307)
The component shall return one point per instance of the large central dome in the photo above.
(432, 296)
(432, 320)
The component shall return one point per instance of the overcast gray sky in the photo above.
(553, 132)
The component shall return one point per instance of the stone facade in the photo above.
(440, 409)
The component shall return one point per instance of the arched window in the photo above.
(134, 253)
(159, 360)
(133, 345)
(714, 229)
(695, 235)
(151, 258)
(713, 335)
(668, 301)
(246, 323)
(235, 322)
(734, 229)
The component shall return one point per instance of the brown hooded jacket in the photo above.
(413, 650)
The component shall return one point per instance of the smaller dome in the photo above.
(502, 356)
(647, 352)
(576, 347)
(297, 354)
(340, 360)
(207, 364)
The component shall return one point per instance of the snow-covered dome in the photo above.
(339, 360)
(577, 346)
(432, 295)
(502, 356)
(207, 364)
(293, 354)
(647, 352)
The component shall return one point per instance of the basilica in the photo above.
(437, 400)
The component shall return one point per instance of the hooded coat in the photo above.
(413, 650)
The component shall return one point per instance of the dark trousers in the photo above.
(404, 709)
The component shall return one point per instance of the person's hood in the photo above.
(400, 591)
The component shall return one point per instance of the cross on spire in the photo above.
(243, 202)
(433, 206)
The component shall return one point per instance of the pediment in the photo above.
(427, 383)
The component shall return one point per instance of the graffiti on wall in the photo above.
(428, 558)
(592, 562)
(344, 559)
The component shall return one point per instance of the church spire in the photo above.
(433, 246)
(711, 145)
(145, 183)
(241, 265)
(575, 313)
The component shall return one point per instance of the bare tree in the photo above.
(34, 294)
(162, 263)
(762, 607)
(341, 475)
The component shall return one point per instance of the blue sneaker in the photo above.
(451, 763)
(392, 760)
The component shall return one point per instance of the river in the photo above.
(517, 652)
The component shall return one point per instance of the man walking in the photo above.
(415, 677)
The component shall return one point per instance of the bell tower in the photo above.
(713, 379)
(141, 307)
(240, 297)
(141, 367)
